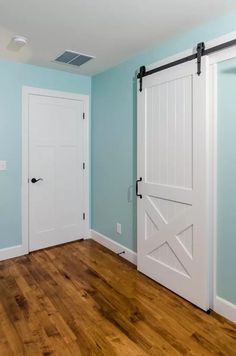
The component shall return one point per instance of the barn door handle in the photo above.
(137, 181)
(34, 180)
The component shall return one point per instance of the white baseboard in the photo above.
(11, 252)
(129, 255)
(225, 308)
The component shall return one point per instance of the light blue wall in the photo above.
(226, 285)
(114, 143)
(12, 77)
(113, 155)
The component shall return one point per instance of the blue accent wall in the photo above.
(226, 244)
(114, 149)
(12, 77)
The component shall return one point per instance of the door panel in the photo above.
(56, 156)
(172, 160)
(169, 161)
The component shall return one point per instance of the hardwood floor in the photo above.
(81, 299)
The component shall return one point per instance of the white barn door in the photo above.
(173, 163)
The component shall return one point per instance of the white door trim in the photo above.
(219, 304)
(26, 92)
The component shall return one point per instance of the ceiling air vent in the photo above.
(73, 58)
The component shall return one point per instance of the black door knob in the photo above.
(34, 180)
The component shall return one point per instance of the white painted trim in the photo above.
(225, 308)
(227, 53)
(213, 177)
(11, 252)
(219, 305)
(26, 92)
(54, 93)
(86, 172)
(24, 167)
(129, 255)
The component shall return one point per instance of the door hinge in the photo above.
(83, 216)
(83, 165)
(83, 115)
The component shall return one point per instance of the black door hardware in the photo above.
(137, 181)
(34, 180)
(142, 71)
(200, 52)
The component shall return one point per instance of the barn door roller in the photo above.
(200, 51)
(142, 71)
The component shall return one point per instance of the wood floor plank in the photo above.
(81, 299)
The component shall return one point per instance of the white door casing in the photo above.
(173, 231)
(55, 148)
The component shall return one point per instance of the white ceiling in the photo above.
(110, 30)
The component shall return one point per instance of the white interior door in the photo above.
(173, 163)
(56, 201)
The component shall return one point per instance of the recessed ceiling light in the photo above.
(20, 41)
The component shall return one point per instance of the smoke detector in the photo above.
(20, 41)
